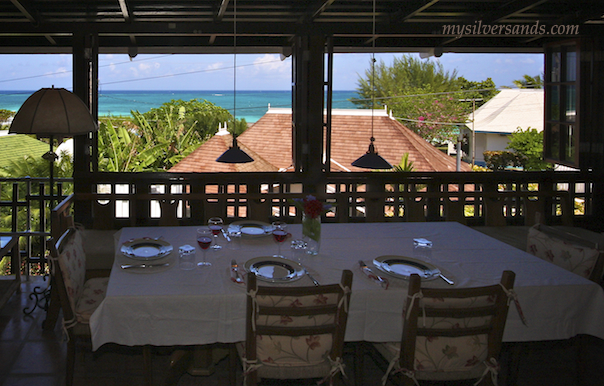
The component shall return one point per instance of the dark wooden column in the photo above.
(85, 85)
(308, 69)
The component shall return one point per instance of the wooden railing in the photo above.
(25, 205)
(114, 200)
(137, 199)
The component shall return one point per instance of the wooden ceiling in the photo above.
(207, 26)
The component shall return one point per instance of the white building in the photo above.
(496, 120)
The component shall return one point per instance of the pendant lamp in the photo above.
(234, 155)
(371, 159)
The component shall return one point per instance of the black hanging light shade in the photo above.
(234, 155)
(371, 159)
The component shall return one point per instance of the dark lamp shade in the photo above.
(234, 155)
(371, 160)
(53, 112)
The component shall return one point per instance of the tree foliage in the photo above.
(528, 81)
(484, 90)
(528, 144)
(160, 138)
(422, 94)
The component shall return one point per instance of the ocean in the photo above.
(251, 105)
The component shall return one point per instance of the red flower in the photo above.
(285, 319)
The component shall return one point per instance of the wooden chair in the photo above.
(294, 332)
(449, 334)
(580, 255)
(79, 297)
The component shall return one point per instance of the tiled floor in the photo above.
(31, 357)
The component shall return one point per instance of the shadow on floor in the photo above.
(30, 356)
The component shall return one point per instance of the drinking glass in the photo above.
(204, 239)
(280, 235)
(215, 225)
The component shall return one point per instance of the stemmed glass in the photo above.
(280, 235)
(204, 239)
(215, 225)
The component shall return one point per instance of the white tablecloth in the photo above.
(176, 307)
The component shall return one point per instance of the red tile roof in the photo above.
(269, 142)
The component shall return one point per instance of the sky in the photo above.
(254, 72)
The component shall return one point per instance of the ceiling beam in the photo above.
(25, 7)
(412, 8)
(222, 10)
(125, 10)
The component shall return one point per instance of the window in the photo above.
(561, 104)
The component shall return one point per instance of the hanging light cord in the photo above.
(234, 65)
(373, 73)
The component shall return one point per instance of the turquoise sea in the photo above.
(251, 105)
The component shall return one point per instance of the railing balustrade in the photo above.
(25, 205)
(114, 200)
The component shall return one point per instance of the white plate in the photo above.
(403, 267)
(275, 269)
(146, 249)
(250, 228)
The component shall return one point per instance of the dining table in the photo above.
(169, 306)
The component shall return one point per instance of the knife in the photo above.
(235, 276)
(367, 271)
(449, 281)
(126, 266)
(312, 278)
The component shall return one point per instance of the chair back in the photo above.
(573, 253)
(62, 217)
(453, 333)
(69, 269)
(295, 332)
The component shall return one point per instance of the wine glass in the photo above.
(215, 225)
(280, 235)
(204, 239)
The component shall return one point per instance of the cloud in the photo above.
(271, 63)
(60, 72)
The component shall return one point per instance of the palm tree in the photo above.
(528, 81)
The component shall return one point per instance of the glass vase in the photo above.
(311, 233)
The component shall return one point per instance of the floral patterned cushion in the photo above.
(438, 355)
(72, 261)
(92, 295)
(572, 257)
(306, 355)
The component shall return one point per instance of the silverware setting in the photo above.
(448, 281)
(368, 270)
(127, 266)
(235, 274)
(315, 282)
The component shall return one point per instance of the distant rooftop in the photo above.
(269, 143)
(16, 146)
(510, 109)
